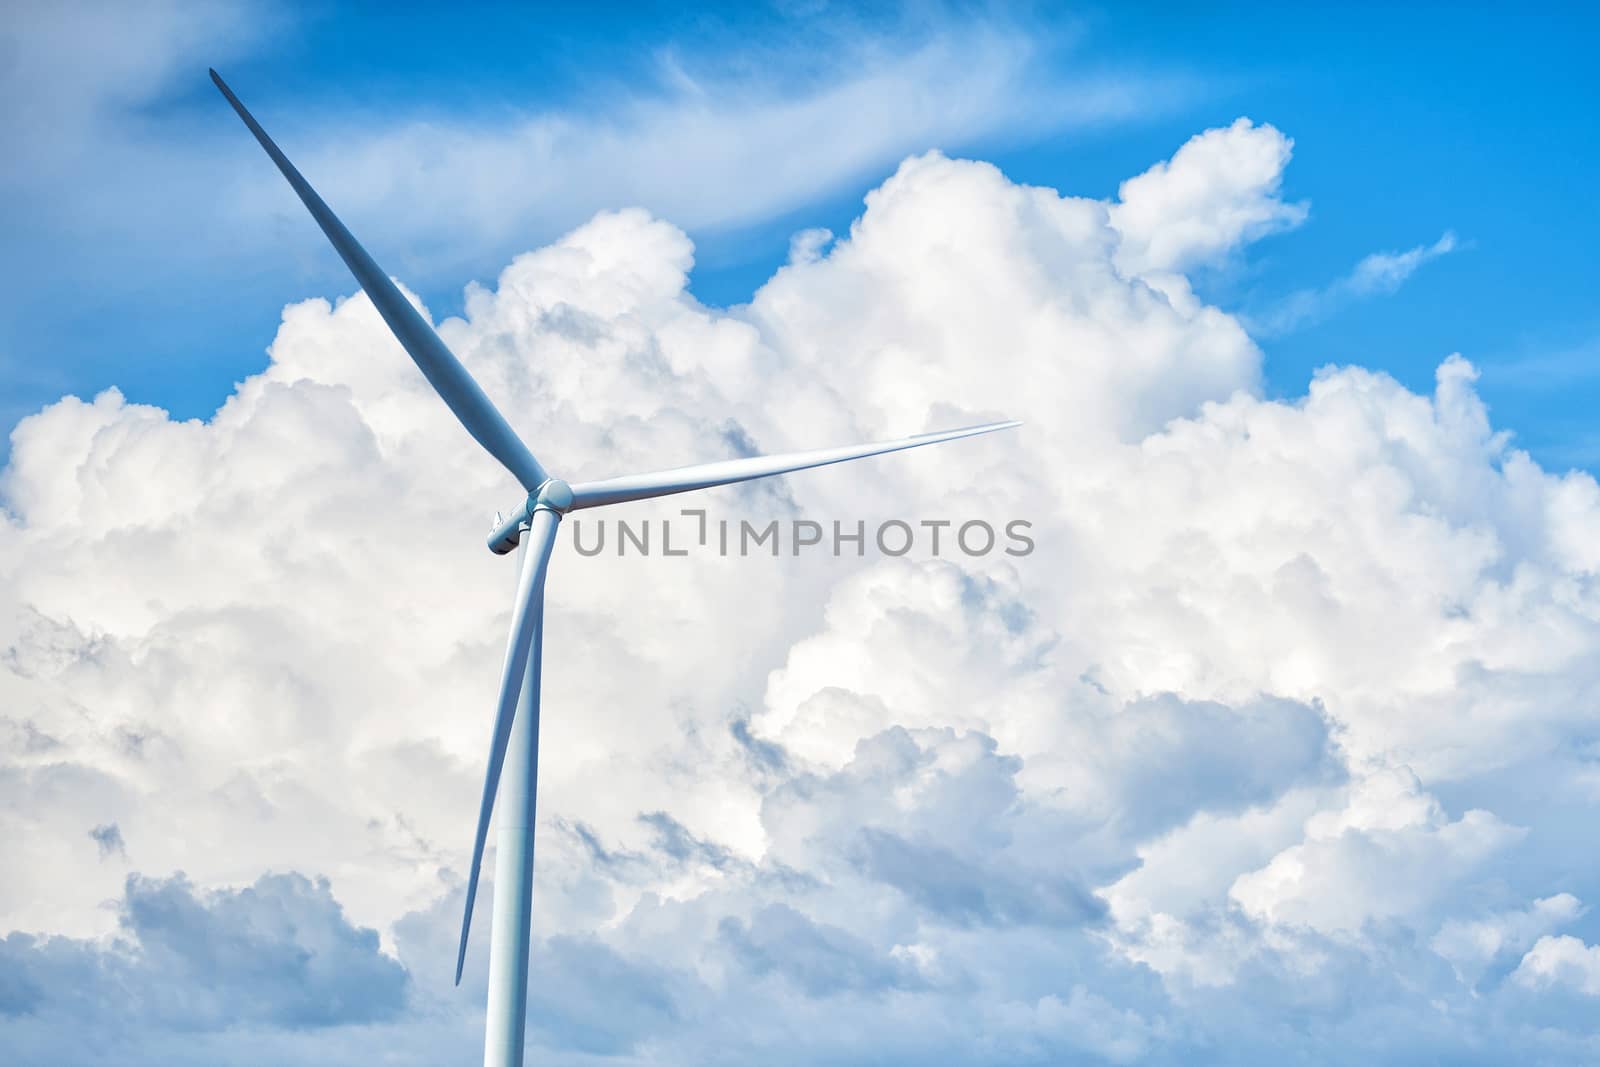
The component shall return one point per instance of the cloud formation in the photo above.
(1219, 191)
(278, 955)
(1281, 740)
(1561, 961)
(1378, 274)
(115, 160)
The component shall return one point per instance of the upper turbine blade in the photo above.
(537, 543)
(704, 475)
(447, 376)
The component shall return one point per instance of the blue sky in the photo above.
(1280, 746)
(1406, 125)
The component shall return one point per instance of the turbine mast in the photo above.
(511, 932)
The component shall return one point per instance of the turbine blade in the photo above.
(443, 371)
(525, 618)
(705, 475)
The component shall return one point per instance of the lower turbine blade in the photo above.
(537, 543)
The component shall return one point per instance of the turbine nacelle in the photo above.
(553, 495)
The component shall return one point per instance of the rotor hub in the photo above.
(554, 495)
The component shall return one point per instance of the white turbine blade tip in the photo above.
(725, 472)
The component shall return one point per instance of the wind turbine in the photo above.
(514, 744)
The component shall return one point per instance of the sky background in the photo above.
(1282, 746)
(148, 248)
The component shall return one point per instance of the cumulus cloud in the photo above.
(1563, 961)
(1282, 737)
(1218, 191)
(276, 955)
(1472, 945)
(1386, 853)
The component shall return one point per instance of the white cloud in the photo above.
(1384, 272)
(719, 152)
(1219, 191)
(1563, 961)
(1387, 853)
(1378, 274)
(80, 62)
(1290, 695)
(1472, 945)
(706, 142)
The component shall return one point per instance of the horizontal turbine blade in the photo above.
(525, 621)
(706, 475)
(443, 371)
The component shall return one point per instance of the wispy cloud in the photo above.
(1550, 368)
(108, 839)
(1379, 274)
(705, 150)
(120, 150)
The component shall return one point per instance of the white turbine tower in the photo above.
(514, 744)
